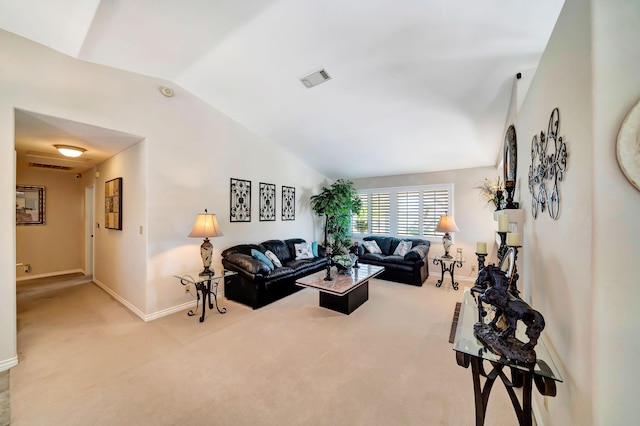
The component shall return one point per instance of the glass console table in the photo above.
(470, 351)
(203, 284)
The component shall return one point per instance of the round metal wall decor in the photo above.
(628, 147)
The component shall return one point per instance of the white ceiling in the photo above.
(417, 85)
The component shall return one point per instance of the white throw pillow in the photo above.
(372, 247)
(273, 258)
(403, 248)
(303, 251)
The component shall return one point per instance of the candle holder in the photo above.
(354, 250)
(481, 259)
(510, 187)
(513, 280)
(329, 263)
(502, 250)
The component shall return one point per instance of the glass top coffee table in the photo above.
(345, 292)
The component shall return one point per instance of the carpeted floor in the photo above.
(85, 359)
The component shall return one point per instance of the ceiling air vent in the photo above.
(315, 78)
(49, 166)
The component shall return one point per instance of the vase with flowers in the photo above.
(492, 191)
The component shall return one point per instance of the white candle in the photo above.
(503, 223)
(481, 248)
(513, 239)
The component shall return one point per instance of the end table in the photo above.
(203, 285)
(447, 264)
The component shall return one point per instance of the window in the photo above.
(409, 211)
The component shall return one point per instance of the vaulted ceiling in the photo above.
(416, 85)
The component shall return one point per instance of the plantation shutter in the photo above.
(380, 213)
(360, 222)
(408, 213)
(435, 204)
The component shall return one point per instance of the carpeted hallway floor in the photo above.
(85, 359)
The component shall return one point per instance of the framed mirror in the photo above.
(510, 164)
(510, 154)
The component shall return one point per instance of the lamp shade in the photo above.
(206, 226)
(447, 224)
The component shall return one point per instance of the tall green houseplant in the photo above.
(337, 203)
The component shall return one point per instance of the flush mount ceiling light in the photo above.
(315, 78)
(70, 151)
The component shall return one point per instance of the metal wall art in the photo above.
(288, 203)
(267, 202)
(547, 168)
(113, 204)
(240, 210)
(29, 205)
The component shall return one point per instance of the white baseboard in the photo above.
(8, 363)
(170, 311)
(49, 274)
(120, 299)
(138, 312)
(535, 409)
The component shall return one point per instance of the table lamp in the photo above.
(447, 224)
(206, 226)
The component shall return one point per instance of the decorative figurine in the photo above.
(510, 309)
(329, 262)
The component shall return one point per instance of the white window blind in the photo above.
(404, 211)
(408, 213)
(380, 213)
(436, 204)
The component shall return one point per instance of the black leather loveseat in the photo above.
(256, 284)
(410, 268)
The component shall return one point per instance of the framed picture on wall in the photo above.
(29, 205)
(113, 204)
(240, 194)
(288, 203)
(267, 202)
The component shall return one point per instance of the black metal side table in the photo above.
(203, 285)
(447, 264)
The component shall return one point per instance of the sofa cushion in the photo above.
(417, 253)
(314, 248)
(248, 264)
(261, 256)
(303, 251)
(385, 243)
(280, 249)
(402, 248)
(273, 258)
(372, 247)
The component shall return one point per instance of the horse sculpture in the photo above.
(509, 308)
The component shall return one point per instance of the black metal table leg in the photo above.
(447, 268)
(215, 297)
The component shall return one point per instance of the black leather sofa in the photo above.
(412, 268)
(256, 284)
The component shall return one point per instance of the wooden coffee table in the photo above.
(346, 292)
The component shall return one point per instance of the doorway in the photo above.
(88, 229)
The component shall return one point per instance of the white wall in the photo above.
(559, 256)
(473, 215)
(57, 246)
(192, 150)
(616, 208)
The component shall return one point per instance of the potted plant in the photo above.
(337, 203)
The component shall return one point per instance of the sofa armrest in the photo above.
(248, 264)
(419, 252)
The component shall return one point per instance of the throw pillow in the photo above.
(314, 248)
(258, 255)
(372, 247)
(273, 258)
(403, 248)
(303, 251)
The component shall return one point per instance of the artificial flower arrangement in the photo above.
(492, 190)
(344, 261)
